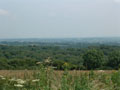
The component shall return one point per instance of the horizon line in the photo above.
(59, 37)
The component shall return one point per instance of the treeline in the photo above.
(90, 58)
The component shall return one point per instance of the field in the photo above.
(49, 79)
(21, 73)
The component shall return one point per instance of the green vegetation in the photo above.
(46, 61)
(93, 59)
(45, 78)
(87, 58)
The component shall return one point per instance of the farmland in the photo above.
(21, 73)
(48, 79)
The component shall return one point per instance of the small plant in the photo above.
(116, 80)
(45, 78)
(82, 82)
(66, 82)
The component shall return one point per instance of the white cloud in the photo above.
(3, 12)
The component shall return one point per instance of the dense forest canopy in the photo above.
(76, 55)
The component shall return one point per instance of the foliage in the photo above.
(45, 78)
(114, 59)
(93, 59)
(25, 57)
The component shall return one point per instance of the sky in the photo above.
(59, 18)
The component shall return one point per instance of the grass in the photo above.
(49, 79)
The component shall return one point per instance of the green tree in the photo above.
(114, 59)
(93, 59)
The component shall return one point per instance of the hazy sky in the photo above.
(59, 18)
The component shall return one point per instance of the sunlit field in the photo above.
(49, 79)
(29, 73)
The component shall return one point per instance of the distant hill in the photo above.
(63, 41)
